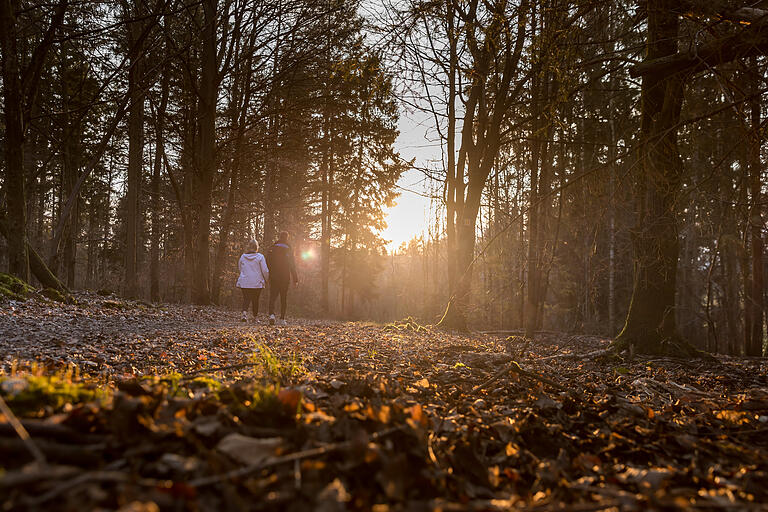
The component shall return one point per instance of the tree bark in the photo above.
(450, 178)
(534, 218)
(135, 149)
(754, 346)
(326, 206)
(72, 134)
(15, 193)
(201, 293)
(154, 252)
(484, 112)
(38, 267)
(241, 100)
(20, 88)
(750, 41)
(325, 221)
(650, 324)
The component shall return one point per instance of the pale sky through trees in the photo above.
(408, 218)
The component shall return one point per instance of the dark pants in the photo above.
(278, 287)
(251, 296)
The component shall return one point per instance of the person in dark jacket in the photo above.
(282, 269)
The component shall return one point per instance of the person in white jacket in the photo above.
(253, 278)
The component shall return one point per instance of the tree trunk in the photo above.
(154, 253)
(485, 109)
(222, 254)
(451, 177)
(135, 152)
(71, 167)
(207, 160)
(650, 324)
(18, 258)
(534, 217)
(72, 135)
(93, 236)
(755, 345)
(730, 299)
(38, 267)
(326, 212)
(612, 233)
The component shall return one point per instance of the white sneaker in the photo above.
(271, 319)
(283, 322)
(244, 317)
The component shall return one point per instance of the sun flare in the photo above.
(406, 220)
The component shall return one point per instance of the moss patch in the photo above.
(31, 394)
(56, 295)
(14, 288)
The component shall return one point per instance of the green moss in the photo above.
(14, 288)
(55, 295)
(205, 382)
(8, 294)
(31, 393)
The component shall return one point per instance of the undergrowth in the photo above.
(37, 391)
(273, 366)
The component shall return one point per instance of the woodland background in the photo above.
(144, 142)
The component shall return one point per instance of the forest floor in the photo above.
(141, 408)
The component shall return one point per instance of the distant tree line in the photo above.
(144, 142)
(602, 166)
(601, 163)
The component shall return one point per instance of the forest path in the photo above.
(398, 407)
(115, 338)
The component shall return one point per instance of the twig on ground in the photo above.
(51, 431)
(276, 461)
(90, 477)
(189, 375)
(19, 478)
(22, 432)
(514, 366)
(509, 504)
(589, 355)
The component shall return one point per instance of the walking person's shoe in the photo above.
(283, 322)
(271, 319)
(244, 317)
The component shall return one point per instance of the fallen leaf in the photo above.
(249, 450)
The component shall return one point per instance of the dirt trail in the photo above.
(111, 336)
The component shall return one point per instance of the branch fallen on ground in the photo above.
(514, 366)
(588, 356)
(291, 457)
(22, 432)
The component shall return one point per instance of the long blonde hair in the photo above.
(252, 246)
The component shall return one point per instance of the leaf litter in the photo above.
(142, 408)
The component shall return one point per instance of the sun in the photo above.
(406, 219)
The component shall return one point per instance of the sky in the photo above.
(408, 218)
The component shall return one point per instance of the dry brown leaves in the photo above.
(334, 416)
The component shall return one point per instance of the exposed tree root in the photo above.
(656, 345)
(407, 324)
(454, 318)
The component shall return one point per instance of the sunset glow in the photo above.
(406, 220)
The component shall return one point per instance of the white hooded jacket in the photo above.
(253, 271)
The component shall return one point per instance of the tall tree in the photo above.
(650, 325)
(135, 13)
(20, 86)
(495, 40)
